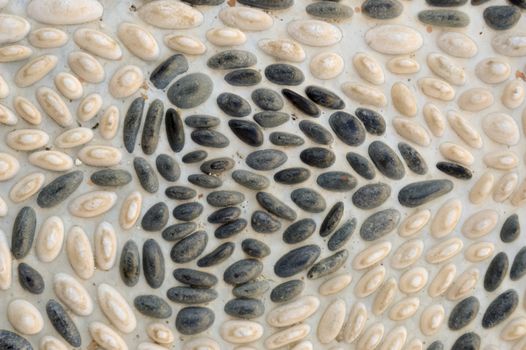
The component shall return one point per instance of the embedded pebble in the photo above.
(463, 313)
(386, 160)
(245, 308)
(73, 294)
(500, 308)
(231, 59)
(189, 248)
(54, 106)
(115, 307)
(371, 196)
(284, 74)
(518, 267)
(413, 159)
(251, 289)
(509, 44)
(15, 52)
(152, 306)
(285, 139)
(191, 90)
(364, 94)
(328, 265)
(47, 38)
(301, 103)
(493, 70)
(326, 65)
(62, 322)
(393, 39)
(241, 331)
(86, 67)
(242, 271)
(24, 317)
(246, 18)
(329, 10)
(106, 337)
(501, 17)
(97, 43)
(308, 200)
(271, 119)
(418, 193)
(379, 224)
(361, 165)
(30, 279)
(444, 18)
(403, 65)
(296, 260)
(314, 32)
(337, 181)
(287, 291)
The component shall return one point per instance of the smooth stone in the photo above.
(285, 139)
(167, 167)
(519, 3)
(496, 272)
(463, 313)
(250, 180)
(332, 219)
(446, 3)
(23, 232)
(242, 271)
(336, 181)
(195, 278)
(361, 165)
(152, 127)
(418, 193)
(233, 105)
(316, 132)
(386, 160)
(382, 9)
(291, 176)
(230, 229)
(13, 341)
(224, 215)
(30, 279)
(217, 166)
(511, 229)
(329, 10)
(268, 4)
(467, 341)
(266, 159)
(342, 235)
(287, 291)
(202, 121)
(60, 12)
(263, 222)
(413, 159)
(132, 123)
(373, 122)
(209, 138)
(297, 260)
(168, 70)
(348, 128)
(379, 224)
(247, 131)
(318, 157)
(371, 196)
(111, 177)
(155, 217)
(244, 308)
(188, 211)
(63, 324)
(255, 248)
(308, 200)
(191, 90)
(518, 267)
(189, 295)
(328, 265)
(130, 264)
(243, 77)
(59, 189)
(194, 320)
(146, 174)
(455, 170)
(324, 97)
(217, 256)
(267, 99)
(275, 206)
(194, 156)
(500, 309)
(284, 74)
(299, 231)
(178, 231)
(189, 248)
(251, 289)
(271, 119)
(436, 345)
(303, 104)
(501, 17)
(478, 2)
(225, 198)
(232, 59)
(174, 130)
(152, 306)
(444, 18)
(205, 181)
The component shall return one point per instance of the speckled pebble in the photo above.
(152, 306)
(500, 308)
(255, 248)
(284, 74)
(242, 271)
(244, 308)
(444, 18)
(511, 229)
(332, 219)
(30, 279)
(379, 224)
(194, 320)
(296, 260)
(287, 291)
(518, 267)
(463, 313)
(155, 217)
(382, 9)
(501, 17)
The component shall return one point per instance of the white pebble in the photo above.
(513, 94)
(109, 123)
(185, 44)
(73, 294)
(479, 251)
(331, 321)
(432, 319)
(464, 285)
(160, 333)
(170, 14)
(51, 160)
(393, 39)
(412, 131)
(69, 86)
(446, 69)
(414, 223)
(74, 137)
(293, 312)
(6, 259)
(50, 239)
(457, 44)
(475, 99)
(105, 244)
(26, 187)
(116, 309)
(64, 12)
(106, 337)
(24, 317)
(371, 255)
(88, 107)
(407, 254)
(444, 250)
(501, 160)
(26, 110)
(510, 44)
(446, 218)
(287, 336)
(456, 153)
(34, 70)
(80, 253)
(54, 106)
(86, 67)
(48, 38)
(246, 18)
(139, 41)
(403, 65)
(49, 342)
(314, 32)
(436, 88)
(92, 204)
(240, 331)
(9, 166)
(371, 337)
(14, 53)
(370, 282)
(27, 139)
(404, 100)
(12, 28)
(326, 65)
(404, 309)
(368, 68)
(355, 323)
(282, 49)
(226, 36)
(97, 43)
(505, 186)
(335, 284)
(100, 156)
(130, 210)
(126, 81)
(493, 70)
(434, 119)
(464, 130)
(364, 94)
(443, 279)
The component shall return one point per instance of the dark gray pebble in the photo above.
(251, 289)
(371, 196)
(191, 90)
(242, 271)
(332, 219)
(217, 256)
(245, 308)
(188, 211)
(316, 132)
(152, 306)
(518, 267)
(195, 156)
(23, 232)
(418, 193)
(308, 200)
(189, 248)
(225, 198)
(194, 319)
(328, 265)
(130, 264)
(167, 167)
(463, 313)
(30, 279)
(348, 128)
(444, 18)
(153, 263)
(202, 121)
(156, 217)
(519, 3)
(13, 341)
(205, 181)
(413, 159)
(275, 206)
(455, 170)
(501, 17)
(180, 192)
(303, 104)
(250, 180)
(189, 295)
(232, 59)
(247, 131)
(342, 235)
(373, 121)
(262, 222)
(59, 189)
(233, 105)
(496, 272)
(132, 123)
(285, 139)
(230, 229)
(195, 278)
(271, 119)
(297, 260)
(382, 9)
(284, 74)
(243, 77)
(322, 96)
(386, 160)
(111, 177)
(287, 291)
(467, 341)
(146, 175)
(318, 157)
(292, 176)
(224, 215)
(329, 10)
(361, 165)
(500, 309)
(255, 248)
(174, 130)
(63, 324)
(209, 138)
(299, 231)
(266, 159)
(268, 4)
(480, 2)
(446, 3)
(152, 127)
(511, 229)
(267, 99)
(379, 224)
(436, 345)
(336, 181)
(178, 231)
(170, 68)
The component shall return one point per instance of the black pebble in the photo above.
(195, 278)
(496, 272)
(178, 231)
(267, 99)
(511, 229)
(189, 248)
(189, 295)
(299, 231)
(316, 132)
(174, 130)
(224, 215)
(500, 309)
(332, 219)
(287, 291)
(132, 123)
(328, 265)
(194, 319)
(501, 17)
(386, 160)
(245, 308)
(436, 345)
(195, 156)
(271, 119)
(329, 10)
(318, 157)
(217, 166)
(30, 279)
(232, 59)
(268, 4)
(262, 222)
(165, 72)
(336, 181)
(371, 196)
(225, 198)
(284, 74)
(217, 256)
(275, 206)
(233, 105)
(413, 159)
(152, 127)
(13, 341)
(209, 138)
(251, 289)
(463, 313)
(250, 180)
(285, 139)
(382, 9)
(303, 104)
(152, 306)
(379, 224)
(205, 181)
(467, 341)
(518, 267)
(446, 3)
(243, 77)
(348, 128)
(266, 159)
(255, 248)
(342, 235)
(292, 176)
(444, 18)
(297, 260)
(373, 121)
(156, 217)
(188, 211)
(146, 175)
(111, 177)
(308, 200)
(247, 131)
(242, 271)
(230, 229)
(418, 193)
(191, 90)
(23, 232)
(180, 192)
(167, 167)
(519, 3)
(153, 263)
(63, 324)
(202, 121)
(361, 165)
(455, 170)
(59, 189)
(130, 264)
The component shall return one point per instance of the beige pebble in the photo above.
(92, 204)
(73, 294)
(80, 253)
(26, 187)
(457, 44)
(4, 87)
(109, 123)
(520, 345)
(404, 309)
(432, 319)
(282, 49)
(436, 88)
(456, 153)
(74, 137)
(130, 210)
(463, 285)
(446, 69)
(371, 337)
(3, 208)
(6, 273)
(501, 160)
(331, 321)
(97, 43)
(434, 119)
(160, 333)
(185, 44)
(326, 65)
(12, 28)
(446, 218)
(404, 100)
(226, 36)
(7, 117)
(293, 312)
(246, 18)
(86, 67)
(395, 339)
(514, 329)
(51, 160)
(48, 38)
(368, 68)
(385, 296)
(505, 186)
(35, 70)
(464, 130)
(99, 155)
(475, 99)
(443, 279)
(240, 331)
(49, 342)
(302, 345)
(519, 196)
(501, 128)
(24, 317)
(511, 44)
(150, 346)
(138, 41)
(50, 239)
(412, 131)
(414, 223)
(370, 282)
(415, 344)
(355, 323)
(27, 110)
(89, 106)
(479, 251)
(480, 223)
(69, 86)
(126, 81)
(54, 106)
(9, 166)
(202, 343)
(106, 337)
(482, 188)
(403, 65)
(287, 336)
(393, 39)
(14, 53)
(335, 284)
(60, 12)
(413, 280)
(364, 94)
(27, 139)
(170, 14)
(513, 94)
(493, 70)
(407, 254)
(371, 255)
(105, 244)
(444, 250)
(116, 309)
(314, 32)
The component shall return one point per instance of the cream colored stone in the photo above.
(80, 253)
(54, 106)
(355, 323)
(69, 86)
(4, 88)
(99, 155)
(385, 296)
(64, 12)
(514, 329)
(414, 223)
(501, 160)
(35, 70)
(12, 28)
(482, 188)
(106, 337)
(51, 160)
(26, 187)
(170, 14)
(9, 166)
(282, 49)
(185, 44)
(393, 39)
(370, 282)
(456, 153)
(150, 346)
(505, 186)
(368, 68)
(73, 294)
(3, 208)
(26, 110)
(493, 70)
(314, 32)
(116, 309)
(246, 18)
(74, 137)
(364, 94)
(446, 69)
(335, 284)
(442, 281)
(464, 130)
(479, 251)
(432, 319)
(326, 65)
(446, 218)
(404, 100)
(105, 244)
(139, 41)
(14, 53)
(48, 38)
(457, 44)
(6, 273)
(501, 128)
(444, 250)
(331, 321)
(86, 67)
(480, 223)
(24, 317)
(109, 123)
(226, 36)
(97, 43)
(287, 336)
(407, 254)
(513, 94)
(50, 239)
(436, 88)
(371, 255)
(88, 107)
(202, 343)
(27, 139)
(371, 337)
(49, 342)
(403, 65)
(395, 339)
(126, 81)
(302, 345)
(293, 312)
(240, 331)
(130, 210)
(404, 309)
(415, 344)
(519, 196)
(511, 44)
(434, 119)
(475, 99)
(413, 280)
(412, 131)
(92, 204)
(464, 285)
(160, 333)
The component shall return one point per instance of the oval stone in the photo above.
(463, 313)
(500, 308)
(191, 90)
(386, 160)
(418, 193)
(296, 260)
(379, 224)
